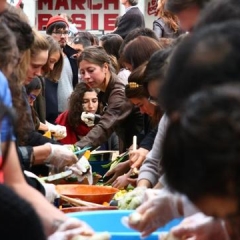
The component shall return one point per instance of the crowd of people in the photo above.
(175, 87)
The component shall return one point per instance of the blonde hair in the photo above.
(40, 43)
(169, 18)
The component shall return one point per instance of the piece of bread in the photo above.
(135, 218)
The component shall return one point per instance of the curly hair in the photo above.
(76, 104)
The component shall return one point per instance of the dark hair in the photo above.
(136, 33)
(201, 150)
(56, 26)
(111, 43)
(87, 35)
(21, 29)
(207, 57)
(134, 88)
(133, 2)
(35, 84)
(176, 6)
(156, 66)
(76, 104)
(8, 44)
(82, 40)
(139, 50)
(217, 11)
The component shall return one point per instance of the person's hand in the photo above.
(121, 182)
(201, 227)
(70, 228)
(57, 131)
(158, 208)
(60, 156)
(82, 169)
(119, 170)
(136, 157)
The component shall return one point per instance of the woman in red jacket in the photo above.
(83, 99)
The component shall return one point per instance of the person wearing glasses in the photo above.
(58, 28)
(138, 95)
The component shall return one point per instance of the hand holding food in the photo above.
(201, 227)
(60, 157)
(82, 169)
(72, 227)
(57, 131)
(158, 208)
(136, 157)
(117, 171)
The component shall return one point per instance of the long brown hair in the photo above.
(168, 17)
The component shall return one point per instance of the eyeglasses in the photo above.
(32, 96)
(153, 100)
(59, 33)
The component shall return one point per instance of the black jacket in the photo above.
(69, 51)
(132, 19)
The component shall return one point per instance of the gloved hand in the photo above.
(70, 228)
(60, 157)
(136, 157)
(132, 199)
(82, 169)
(88, 118)
(57, 131)
(201, 227)
(159, 207)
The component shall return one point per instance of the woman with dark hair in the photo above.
(201, 153)
(138, 95)
(166, 25)
(82, 99)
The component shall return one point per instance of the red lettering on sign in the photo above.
(42, 21)
(109, 2)
(152, 7)
(63, 4)
(109, 21)
(80, 20)
(49, 4)
(92, 6)
(94, 19)
(78, 4)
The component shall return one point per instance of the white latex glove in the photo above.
(60, 157)
(71, 228)
(82, 169)
(50, 189)
(57, 131)
(88, 118)
(201, 227)
(158, 208)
